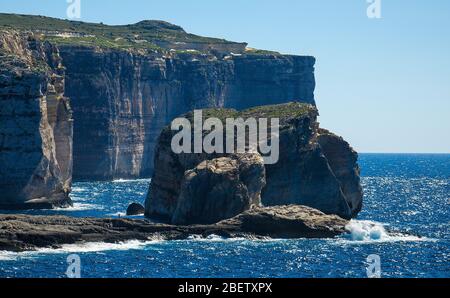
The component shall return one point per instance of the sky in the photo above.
(381, 83)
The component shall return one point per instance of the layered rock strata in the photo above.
(35, 125)
(122, 100)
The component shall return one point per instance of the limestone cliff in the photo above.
(122, 100)
(35, 125)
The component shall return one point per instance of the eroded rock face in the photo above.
(305, 174)
(35, 125)
(219, 188)
(135, 209)
(343, 161)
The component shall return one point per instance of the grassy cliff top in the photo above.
(285, 112)
(144, 34)
(282, 111)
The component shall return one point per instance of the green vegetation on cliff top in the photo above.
(145, 34)
(282, 111)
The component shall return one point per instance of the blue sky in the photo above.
(383, 84)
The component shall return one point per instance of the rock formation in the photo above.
(25, 232)
(219, 188)
(135, 209)
(343, 161)
(35, 125)
(315, 168)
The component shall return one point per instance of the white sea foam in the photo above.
(78, 248)
(211, 238)
(98, 246)
(217, 238)
(7, 256)
(367, 231)
(80, 207)
(119, 214)
(79, 199)
(411, 212)
(130, 180)
(78, 189)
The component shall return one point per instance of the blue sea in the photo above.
(405, 221)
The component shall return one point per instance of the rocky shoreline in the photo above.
(26, 232)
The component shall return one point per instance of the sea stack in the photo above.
(315, 168)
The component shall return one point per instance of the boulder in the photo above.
(289, 221)
(135, 209)
(220, 188)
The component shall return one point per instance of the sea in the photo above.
(402, 231)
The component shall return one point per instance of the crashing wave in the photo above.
(79, 248)
(372, 231)
(80, 207)
(130, 180)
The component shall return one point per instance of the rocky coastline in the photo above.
(26, 232)
(93, 102)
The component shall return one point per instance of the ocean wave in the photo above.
(76, 198)
(217, 238)
(79, 248)
(118, 214)
(130, 180)
(211, 238)
(79, 189)
(98, 246)
(7, 256)
(80, 207)
(367, 231)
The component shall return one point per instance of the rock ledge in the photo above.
(26, 232)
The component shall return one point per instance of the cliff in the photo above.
(35, 125)
(122, 100)
(127, 82)
(315, 168)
